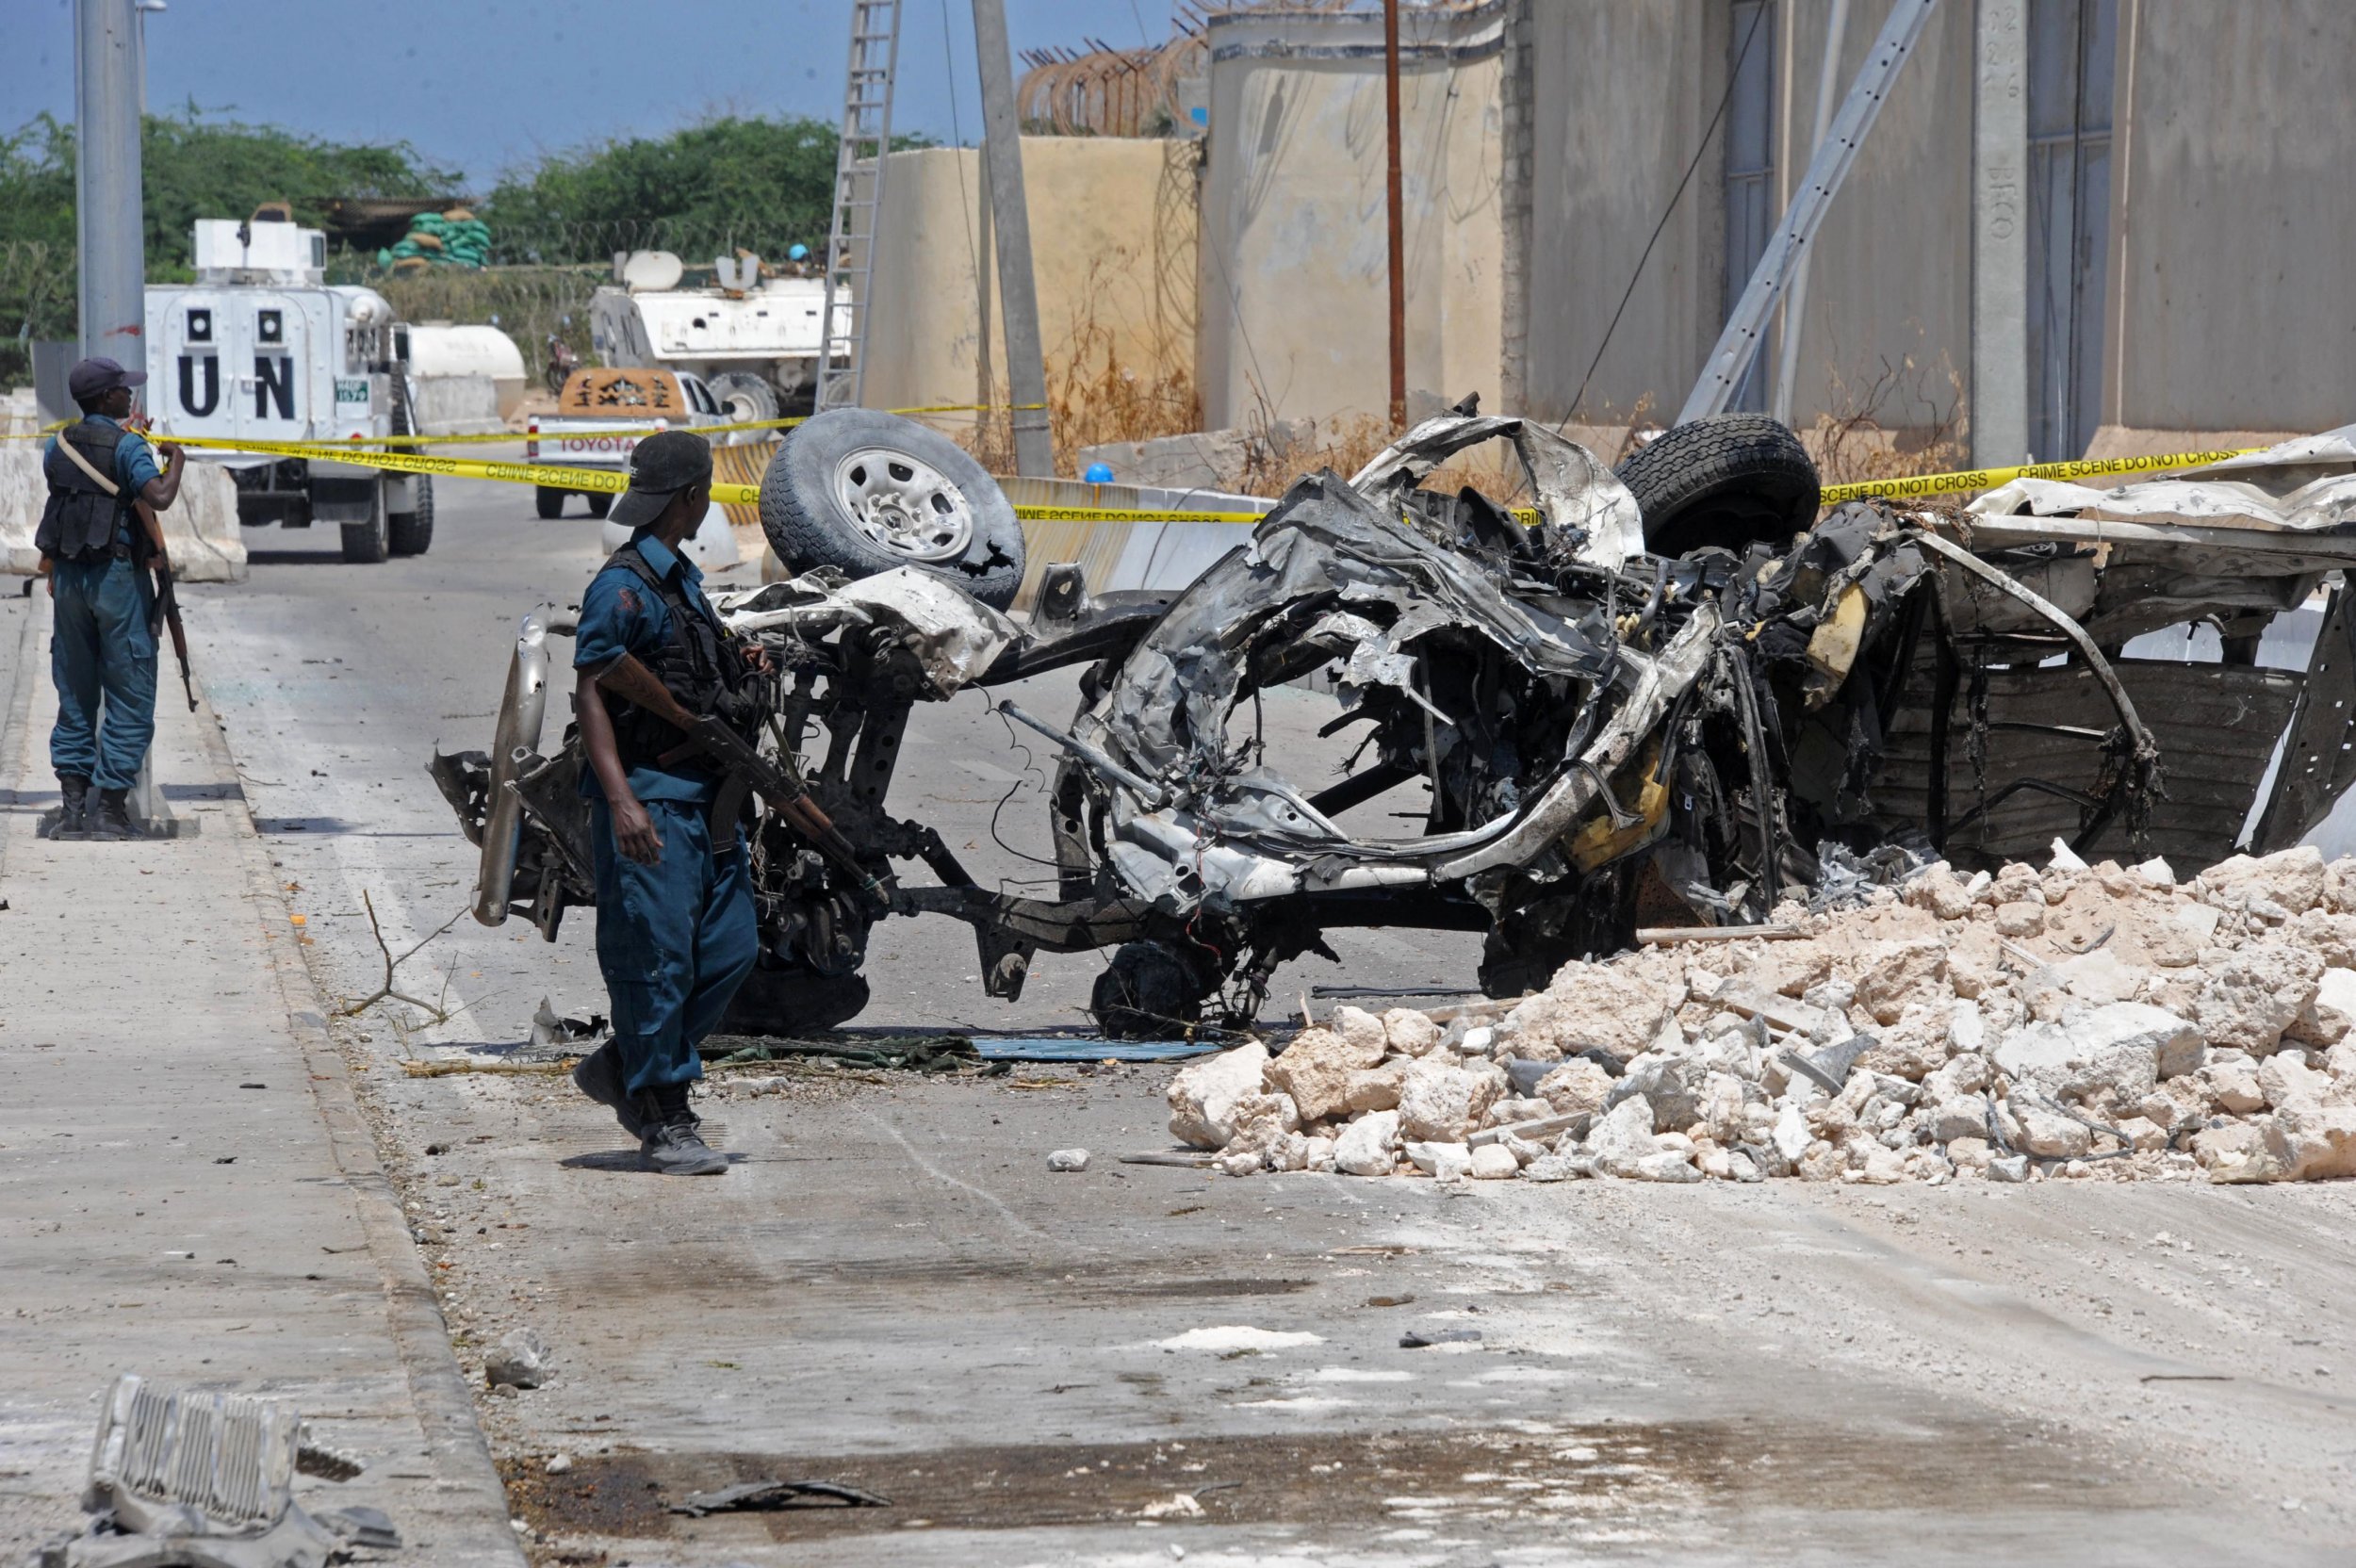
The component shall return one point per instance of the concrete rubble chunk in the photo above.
(1068, 1160)
(1203, 1094)
(1579, 1085)
(1493, 1162)
(1410, 1033)
(1442, 1102)
(2292, 879)
(2255, 994)
(1897, 972)
(1368, 1146)
(521, 1358)
(1315, 1067)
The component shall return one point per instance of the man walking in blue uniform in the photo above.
(675, 928)
(95, 549)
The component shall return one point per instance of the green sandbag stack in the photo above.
(452, 239)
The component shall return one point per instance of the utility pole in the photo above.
(109, 235)
(1391, 202)
(1999, 236)
(1018, 294)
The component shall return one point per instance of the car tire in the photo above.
(866, 492)
(1150, 991)
(601, 502)
(745, 398)
(366, 543)
(1731, 480)
(548, 503)
(411, 532)
(793, 1002)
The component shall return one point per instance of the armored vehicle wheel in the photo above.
(411, 532)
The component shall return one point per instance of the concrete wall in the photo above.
(1112, 233)
(1623, 90)
(1294, 269)
(2234, 220)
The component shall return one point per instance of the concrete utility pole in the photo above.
(108, 232)
(1018, 295)
(2000, 236)
(1391, 202)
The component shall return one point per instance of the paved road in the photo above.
(888, 1289)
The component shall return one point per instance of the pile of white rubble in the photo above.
(2102, 1022)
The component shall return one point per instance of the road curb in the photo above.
(445, 1403)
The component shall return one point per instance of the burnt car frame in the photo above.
(1606, 736)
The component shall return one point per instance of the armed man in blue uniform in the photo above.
(95, 549)
(675, 927)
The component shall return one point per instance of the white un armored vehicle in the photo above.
(262, 348)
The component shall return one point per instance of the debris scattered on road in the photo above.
(574, 1033)
(1067, 1159)
(197, 1477)
(1423, 1339)
(1236, 1337)
(520, 1360)
(760, 1496)
(2081, 1021)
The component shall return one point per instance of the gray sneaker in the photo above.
(599, 1075)
(676, 1147)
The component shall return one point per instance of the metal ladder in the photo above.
(850, 259)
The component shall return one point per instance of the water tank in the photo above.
(440, 350)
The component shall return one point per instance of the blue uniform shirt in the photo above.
(619, 614)
(135, 464)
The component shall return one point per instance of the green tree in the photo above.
(192, 167)
(701, 192)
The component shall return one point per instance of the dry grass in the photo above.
(1904, 418)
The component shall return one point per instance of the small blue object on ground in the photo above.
(1099, 473)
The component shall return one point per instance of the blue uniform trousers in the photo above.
(100, 645)
(675, 940)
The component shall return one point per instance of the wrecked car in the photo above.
(1664, 694)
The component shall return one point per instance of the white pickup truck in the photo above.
(601, 415)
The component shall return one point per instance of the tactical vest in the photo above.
(81, 521)
(694, 664)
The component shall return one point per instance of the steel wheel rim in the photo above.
(904, 505)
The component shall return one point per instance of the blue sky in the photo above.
(485, 85)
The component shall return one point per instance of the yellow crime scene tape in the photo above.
(492, 437)
(614, 480)
(1989, 479)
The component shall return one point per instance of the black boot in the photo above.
(113, 819)
(599, 1075)
(74, 816)
(671, 1143)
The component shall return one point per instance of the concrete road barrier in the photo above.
(200, 529)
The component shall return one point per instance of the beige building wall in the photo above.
(1621, 92)
(2233, 220)
(1295, 267)
(1112, 237)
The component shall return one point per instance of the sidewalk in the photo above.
(186, 1190)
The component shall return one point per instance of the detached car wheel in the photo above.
(1732, 480)
(867, 492)
(411, 532)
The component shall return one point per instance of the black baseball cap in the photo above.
(94, 378)
(661, 466)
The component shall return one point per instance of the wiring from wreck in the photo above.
(1030, 766)
(1733, 75)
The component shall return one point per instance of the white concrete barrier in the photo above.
(200, 529)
